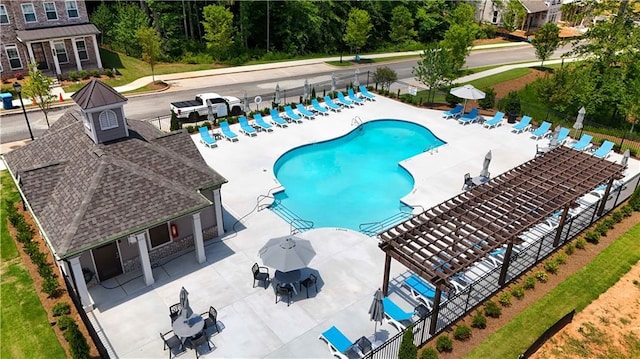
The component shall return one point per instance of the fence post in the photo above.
(159, 123)
(368, 78)
(624, 136)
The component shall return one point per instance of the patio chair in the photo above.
(396, 315)
(260, 274)
(604, 150)
(454, 112)
(304, 112)
(198, 341)
(584, 143)
(468, 181)
(344, 101)
(292, 116)
(261, 123)
(364, 345)
(205, 137)
(174, 312)
(246, 128)
(366, 94)
(352, 96)
(211, 319)
(495, 121)
(471, 117)
(319, 108)
(227, 133)
(523, 125)
(276, 119)
(563, 134)
(311, 280)
(172, 342)
(543, 131)
(337, 342)
(420, 290)
(284, 291)
(330, 104)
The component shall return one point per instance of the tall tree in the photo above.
(150, 43)
(546, 41)
(434, 69)
(104, 18)
(130, 18)
(402, 25)
(358, 28)
(38, 87)
(218, 29)
(513, 15)
(459, 38)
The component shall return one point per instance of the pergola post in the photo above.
(605, 196)
(435, 311)
(556, 240)
(387, 269)
(505, 264)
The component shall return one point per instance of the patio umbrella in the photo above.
(467, 92)
(333, 82)
(287, 253)
(245, 101)
(376, 311)
(210, 116)
(277, 99)
(356, 82)
(554, 138)
(578, 124)
(625, 158)
(306, 90)
(485, 165)
(185, 311)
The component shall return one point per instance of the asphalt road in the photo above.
(291, 80)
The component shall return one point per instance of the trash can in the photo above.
(7, 100)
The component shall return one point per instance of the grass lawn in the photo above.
(576, 292)
(25, 329)
(492, 80)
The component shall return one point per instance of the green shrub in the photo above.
(479, 320)
(77, 342)
(634, 200)
(190, 129)
(581, 243)
(408, 350)
(108, 72)
(429, 353)
(489, 99)
(518, 291)
(24, 236)
(73, 76)
(175, 123)
(61, 308)
(491, 309)
(626, 210)
(95, 73)
(569, 249)
(529, 282)
(561, 258)
(444, 343)
(609, 222)
(551, 266)
(462, 332)
(65, 322)
(505, 299)
(45, 270)
(541, 276)
(593, 237)
(51, 287)
(617, 216)
(38, 258)
(30, 248)
(452, 100)
(83, 74)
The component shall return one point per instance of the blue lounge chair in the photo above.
(563, 134)
(523, 125)
(543, 131)
(471, 117)
(276, 119)
(420, 290)
(205, 137)
(319, 108)
(395, 315)
(366, 94)
(344, 101)
(304, 112)
(454, 112)
(583, 144)
(495, 121)
(331, 105)
(261, 123)
(292, 116)
(354, 98)
(604, 150)
(337, 342)
(227, 133)
(246, 128)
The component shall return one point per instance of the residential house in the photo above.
(112, 195)
(54, 34)
(539, 12)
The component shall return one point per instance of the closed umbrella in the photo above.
(306, 90)
(210, 116)
(554, 138)
(277, 97)
(485, 165)
(287, 253)
(356, 82)
(245, 101)
(185, 308)
(376, 311)
(333, 82)
(467, 92)
(580, 119)
(625, 158)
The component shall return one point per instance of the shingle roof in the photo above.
(96, 94)
(533, 6)
(55, 32)
(85, 194)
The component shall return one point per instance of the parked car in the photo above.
(193, 110)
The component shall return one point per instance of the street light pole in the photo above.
(18, 88)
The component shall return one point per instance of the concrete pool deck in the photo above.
(130, 315)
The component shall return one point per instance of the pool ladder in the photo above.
(356, 121)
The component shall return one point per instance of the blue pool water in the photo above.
(353, 179)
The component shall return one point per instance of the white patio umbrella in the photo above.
(485, 165)
(625, 158)
(245, 102)
(467, 92)
(277, 96)
(306, 90)
(185, 310)
(580, 119)
(287, 253)
(333, 82)
(356, 81)
(210, 116)
(376, 311)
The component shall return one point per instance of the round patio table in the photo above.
(189, 327)
(288, 277)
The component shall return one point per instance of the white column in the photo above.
(144, 257)
(30, 51)
(81, 285)
(217, 205)
(55, 58)
(75, 54)
(97, 51)
(197, 238)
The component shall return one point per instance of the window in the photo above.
(29, 13)
(13, 56)
(72, 9)
(4, 17)
(50, 10)
(82, 50)
(61, 52)
(159, 235)
(495, 17)
(108, 120)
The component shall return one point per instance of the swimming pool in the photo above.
(353, 179)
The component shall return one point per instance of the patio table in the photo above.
(189, 327)
(291, 277)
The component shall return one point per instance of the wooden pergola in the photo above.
(443, 241)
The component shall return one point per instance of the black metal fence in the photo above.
(529, 254)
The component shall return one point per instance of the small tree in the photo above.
(218, 29)
(150, 43)
(408, 350)
(513, 15)
(38, 87)
(434, 69)
(384, 76)
(358, 28)
(546, 41)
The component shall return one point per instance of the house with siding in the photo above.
(539, 12)
(57, 35)
(112, 195)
